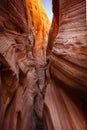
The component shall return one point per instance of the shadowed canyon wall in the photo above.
(66, 94)
(33, 95)
(21, 99)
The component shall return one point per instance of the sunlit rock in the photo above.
(41, 25)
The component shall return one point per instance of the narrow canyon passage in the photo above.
(43, 65)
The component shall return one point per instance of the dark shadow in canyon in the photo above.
(43, 66)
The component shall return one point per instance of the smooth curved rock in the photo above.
(66, 94)
(24, 87)
(21, 101)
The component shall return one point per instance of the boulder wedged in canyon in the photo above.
(66, 94)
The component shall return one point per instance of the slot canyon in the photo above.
(43, 65)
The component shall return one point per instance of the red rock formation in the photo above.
(20, 99)
(66, 94)
(41, 24)
(40, 21)
(22, 74)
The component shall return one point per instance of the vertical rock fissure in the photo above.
(43, 74)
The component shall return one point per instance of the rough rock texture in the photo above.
(41, 24)
(66, 94)
(22, 66)
(40, 21)
(21, 101)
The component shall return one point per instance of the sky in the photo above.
(48, 8)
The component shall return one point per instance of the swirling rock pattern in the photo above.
(66, 94)
(21, 101)
(24, 104)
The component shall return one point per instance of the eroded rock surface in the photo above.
(24, 28)
(21, 101)
(66, 94)
(41, 24)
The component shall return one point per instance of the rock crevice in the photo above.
(43, 87)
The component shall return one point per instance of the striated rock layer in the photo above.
(66, 94)
(40, 21)
(41, 24)
(24, 27)
(21, 100)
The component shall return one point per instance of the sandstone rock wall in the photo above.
(41, 24)
(40, 21)
(23, 40)
(66, 94)
(20, 95)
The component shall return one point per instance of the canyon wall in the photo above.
(31, 99)
(23, 32)
(41, 25)
(66, 94)
(40, 22)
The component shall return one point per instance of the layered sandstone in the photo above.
(24, 103)
(66, 94)
(41, 24)
(40, 21)
(21, 101)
